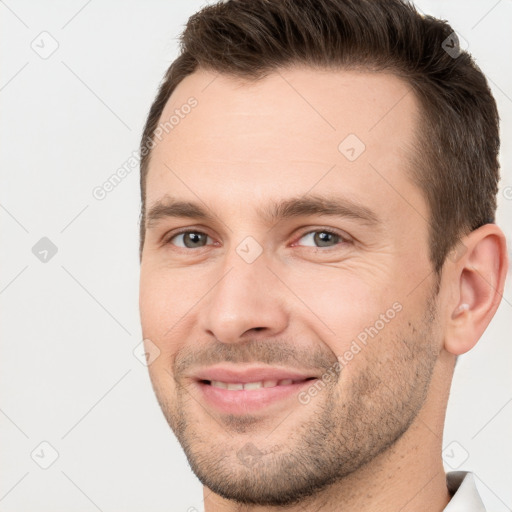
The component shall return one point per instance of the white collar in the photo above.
(462, 486)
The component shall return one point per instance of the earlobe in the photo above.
(478, 278)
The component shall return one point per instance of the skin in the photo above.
(371, 438)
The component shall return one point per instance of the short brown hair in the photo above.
(456, 153)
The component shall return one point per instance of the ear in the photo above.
(476, 271)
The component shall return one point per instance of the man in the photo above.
(318, 246)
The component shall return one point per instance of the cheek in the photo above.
(343, 306)
(157, 315)
(169, 301)
(165, 297)
(151, 304)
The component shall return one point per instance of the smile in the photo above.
(239, 386)
(241, 394)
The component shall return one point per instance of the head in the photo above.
(321, 206)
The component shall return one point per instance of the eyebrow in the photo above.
(308, 205)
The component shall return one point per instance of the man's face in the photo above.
(295, 319)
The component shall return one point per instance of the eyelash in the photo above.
(343, 238)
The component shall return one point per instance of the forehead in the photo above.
(292, 131)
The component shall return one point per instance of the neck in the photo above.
(407, 476)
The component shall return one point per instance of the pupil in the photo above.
(323, 238)
(193, 239)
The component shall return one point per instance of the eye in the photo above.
(190, 239)
(320, 238)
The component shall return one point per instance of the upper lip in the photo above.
(249, 374)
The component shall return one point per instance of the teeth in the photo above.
(237, 386)
(253, 385)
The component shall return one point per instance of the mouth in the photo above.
(241, 391)
(239, 386)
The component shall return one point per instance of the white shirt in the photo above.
(461, 484)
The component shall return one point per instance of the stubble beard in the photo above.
(298, 455)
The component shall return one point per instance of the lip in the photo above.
(251, 400)
(246, 374)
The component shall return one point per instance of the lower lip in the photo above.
(250, 400)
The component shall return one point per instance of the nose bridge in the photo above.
(244, 298)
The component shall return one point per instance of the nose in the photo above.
(246, 301)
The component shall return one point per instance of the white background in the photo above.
(69, 326)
